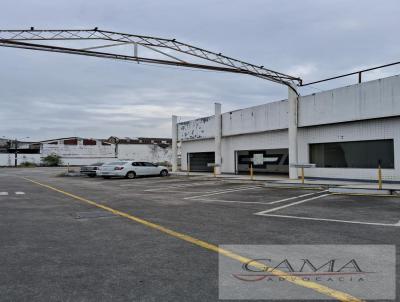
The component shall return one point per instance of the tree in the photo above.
(52, 160)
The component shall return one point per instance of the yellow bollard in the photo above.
(251, 172)
(302, 175)
(379, 177)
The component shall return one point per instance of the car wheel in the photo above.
(130, 175)
(164, 173)
(106, 177)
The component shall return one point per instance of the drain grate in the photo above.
(93, 214)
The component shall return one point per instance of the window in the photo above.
(360, 154)
(147, 164)
(89, 142)
(70, 142)
(117, 163)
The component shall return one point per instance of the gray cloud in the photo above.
(46, 95)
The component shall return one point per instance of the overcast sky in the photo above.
(46, 95)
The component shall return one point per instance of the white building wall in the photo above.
(7, 159)
(143, 152)
(79, 151)
(388, 128)
(204, 145)
(368, 100)
(365, 111)
(260, 141)
(196, 129)
(271, 116)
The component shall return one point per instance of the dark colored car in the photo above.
(90, 170)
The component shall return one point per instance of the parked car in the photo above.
(90, 170)
(130, 169)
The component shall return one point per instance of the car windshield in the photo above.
(117, 163)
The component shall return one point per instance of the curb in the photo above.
(296, 186)
(341, 190)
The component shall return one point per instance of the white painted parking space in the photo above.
(267, 213)
(291, 204)
(333, 220)
(176, 186)
(207, 200)
(296, 197)
(225, 191)
(7, 193)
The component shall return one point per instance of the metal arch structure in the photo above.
(170, 48)
(172, 53)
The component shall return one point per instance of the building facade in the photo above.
(346, 132)
(86, 151)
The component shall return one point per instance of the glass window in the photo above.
(117, 163)
(360, 154)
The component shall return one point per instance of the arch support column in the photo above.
(293, 123)
(174, 143)
(218, 137)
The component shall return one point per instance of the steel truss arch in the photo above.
(33, 39)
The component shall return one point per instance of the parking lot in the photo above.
(155, 239)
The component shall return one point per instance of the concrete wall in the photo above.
(271, 116)
(79, 151)
(206, 145)
(368, 100)
(196, 129)
(150, 153)
(260, 141)
(7, 159)
(366, 111)
(388, 128)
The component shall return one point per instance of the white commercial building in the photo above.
(346, 132)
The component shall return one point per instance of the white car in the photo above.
(130, 169)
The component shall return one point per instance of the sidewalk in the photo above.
(334, 186)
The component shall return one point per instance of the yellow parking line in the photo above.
(341, 296)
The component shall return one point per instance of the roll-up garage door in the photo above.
(201, 161)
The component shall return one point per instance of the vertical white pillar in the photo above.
(174, 143)
(293, 154)
(218, 136)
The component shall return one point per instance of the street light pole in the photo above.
(16, 153)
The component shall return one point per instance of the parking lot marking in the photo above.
(295, 197)
(20, 193)
(332, 220)
(341, 296)
(225, 191)
(179, 186)
(290, 204)
(3, 193)
(227, 201)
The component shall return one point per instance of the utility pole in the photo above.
(16, 153)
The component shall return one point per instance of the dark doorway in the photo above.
(201, 161)
(265, 161)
